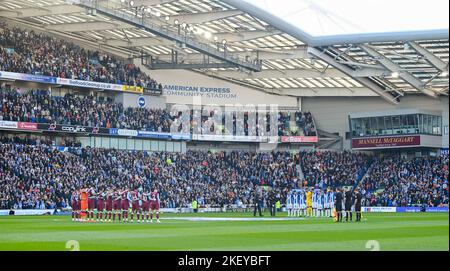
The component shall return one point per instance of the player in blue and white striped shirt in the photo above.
(314, 203)
(331, 198)
(320, 203)
(303, 202)
(290, 203)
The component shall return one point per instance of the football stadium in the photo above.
(224, 125)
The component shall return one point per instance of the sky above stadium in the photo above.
(321, 18)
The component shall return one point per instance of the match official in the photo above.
(338, 204)
(272, 201)
(348, 204)
(358, 200)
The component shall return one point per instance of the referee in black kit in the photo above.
(338, 204)
(358, 200)
(348, 204)
(272, 200)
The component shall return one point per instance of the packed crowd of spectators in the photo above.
(394, 181)
(40, 107)
(333, 169)
(29, 52)
(33, 176)
(38, 176)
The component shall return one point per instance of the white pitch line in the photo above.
(233, 219)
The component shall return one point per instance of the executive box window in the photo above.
(396, 125)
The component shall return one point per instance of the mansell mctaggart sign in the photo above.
(385, 142)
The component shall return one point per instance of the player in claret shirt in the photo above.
(145, 199)
(125, 204)
(109, 205)
(100, 206)
(154, 205)
(91, 204)
(76, 206)
(117, 207)
(135, 205)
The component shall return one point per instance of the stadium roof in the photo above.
(296, 60)
(325, 21)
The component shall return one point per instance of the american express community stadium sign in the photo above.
(197, 91)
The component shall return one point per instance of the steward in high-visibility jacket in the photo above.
(278, 205)
(194, 206)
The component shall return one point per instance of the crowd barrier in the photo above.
(217, 210)
(69, 82)
(404, 209)
(27, 212)
(101, 131)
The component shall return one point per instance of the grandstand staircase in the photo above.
(294, 127)
(327, 140)
(300, 172)
(366, 175)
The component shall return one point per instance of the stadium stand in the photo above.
(35, 175)
(29, 52)
(394, 181)
(39, 176)
(40, 107)
(324, 169)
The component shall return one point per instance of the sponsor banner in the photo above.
(444, 151)
(152, 91)
(8, 124)
(108, 131)
(189, 210)
(404, 209)
(28, 212)
(4, 212)
(231, 138)
(28, 126)
(379, 209)
(28, 77)
(69, 82)
(408, 209)
(123, 132)
(133, 89)
(88, 84)
(385, 142)
(437, 210)
(299, 139)
(147, 134)
(72, 129)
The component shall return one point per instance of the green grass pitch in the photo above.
(408, 231)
